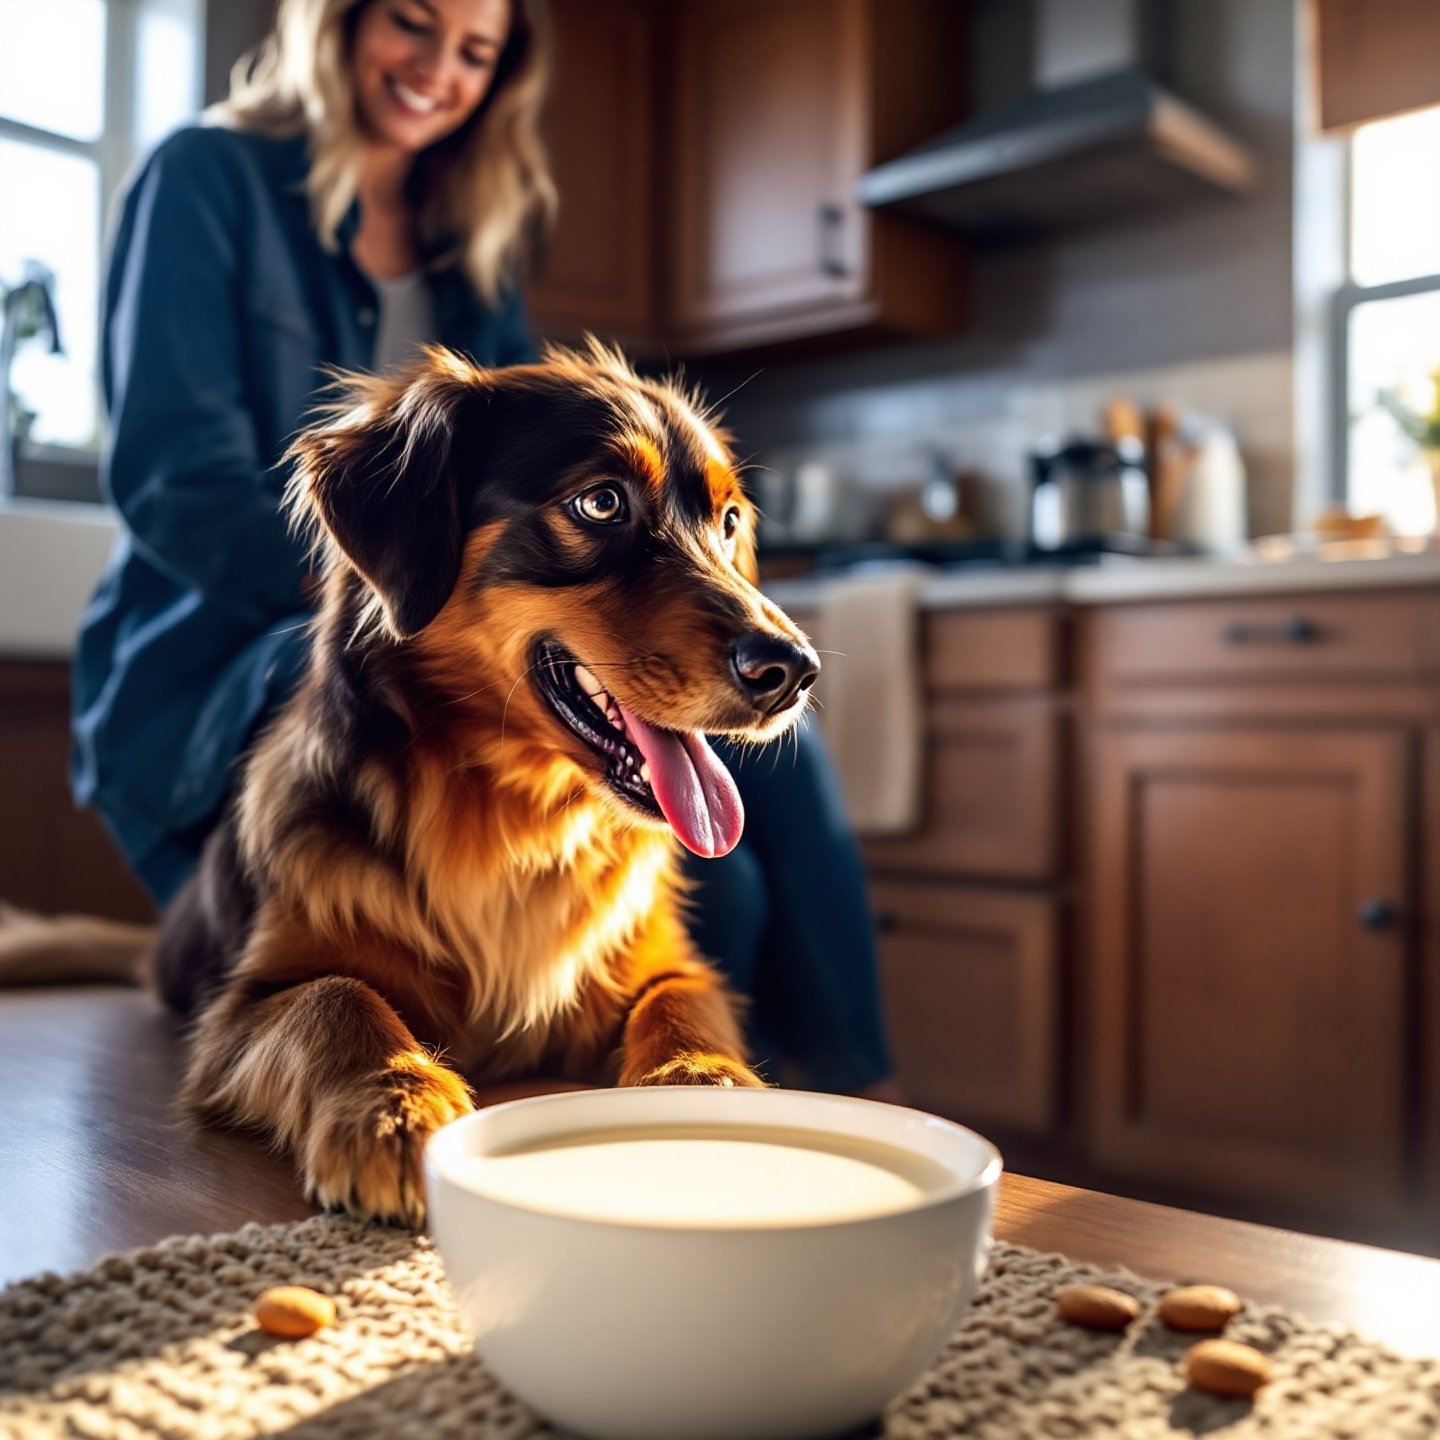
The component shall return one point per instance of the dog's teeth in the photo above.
(588, 683)
(645, 772)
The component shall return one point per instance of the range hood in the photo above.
(1097, 137)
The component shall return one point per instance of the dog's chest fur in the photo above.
(532, 930)
(522, 901)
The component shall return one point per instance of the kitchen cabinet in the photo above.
(1258, 958)
(1168, 922)
(995, 725)
(780, 106)
(1250, 963)
(972, 995)
(707, 153)
(992, 794)
(598, 270)
(972, 904)
(53, 857)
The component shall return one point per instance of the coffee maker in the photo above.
(1088, 496)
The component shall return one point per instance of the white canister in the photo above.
(1211, 512)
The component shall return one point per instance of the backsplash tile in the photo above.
(886, 437)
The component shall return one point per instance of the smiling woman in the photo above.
(250, 260)
(421, 68)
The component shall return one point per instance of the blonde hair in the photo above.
(482, 194)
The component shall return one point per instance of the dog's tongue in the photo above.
(694, 789)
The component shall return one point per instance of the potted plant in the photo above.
(1421, 426)
(26, 310)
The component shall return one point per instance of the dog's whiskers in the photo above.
(505, 712)
(712, 410)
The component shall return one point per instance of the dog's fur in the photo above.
(426, 876)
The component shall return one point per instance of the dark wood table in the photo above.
(92, 1159)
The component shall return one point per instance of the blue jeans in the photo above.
(785, 916)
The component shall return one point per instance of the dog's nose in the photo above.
(772, 670)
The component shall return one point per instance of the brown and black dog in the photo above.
(452, 854)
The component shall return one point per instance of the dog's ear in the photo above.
(381, 479)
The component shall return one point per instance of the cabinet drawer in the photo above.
(991, 650)
(970, 981)
(991, 791)
(1290, 639)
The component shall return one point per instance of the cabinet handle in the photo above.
(886, 921)
(1377, 914)
(1297, 630)
(829, 219)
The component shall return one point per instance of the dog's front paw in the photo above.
(364, 1147)
(697, 1068)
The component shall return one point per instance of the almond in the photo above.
(1097, 1307)
(293, 1311)
(1199, 1307)
(1225, 1367)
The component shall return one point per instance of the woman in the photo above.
(370, 184)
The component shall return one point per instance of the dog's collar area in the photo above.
(590, 712)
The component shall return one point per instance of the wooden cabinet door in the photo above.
(1248, 952)
(53, 857)
(970, 980)
(769, 141)
(598, 271)
(991, 794)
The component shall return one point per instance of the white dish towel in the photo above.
(872, 711)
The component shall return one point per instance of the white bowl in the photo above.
(677, 1331)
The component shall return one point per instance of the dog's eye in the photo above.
(604, 505)
(731, 523)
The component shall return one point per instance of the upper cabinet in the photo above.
(769, 138)
(599, 267)
(707, 154)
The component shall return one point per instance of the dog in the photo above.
(452, 856)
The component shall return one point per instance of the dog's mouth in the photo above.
(670, 775)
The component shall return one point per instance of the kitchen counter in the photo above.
(1118, 579)
(51, 555)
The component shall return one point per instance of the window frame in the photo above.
(1347, 297)
(113, 152)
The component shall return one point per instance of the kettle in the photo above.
(1090, 495)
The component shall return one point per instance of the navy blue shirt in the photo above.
(222, 313)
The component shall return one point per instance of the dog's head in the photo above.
(567, 549)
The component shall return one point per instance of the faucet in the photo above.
(31, 305)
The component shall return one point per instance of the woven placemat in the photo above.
(159, 1342)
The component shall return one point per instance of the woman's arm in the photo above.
(184, 466)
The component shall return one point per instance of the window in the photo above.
(85, 87)
(1388, 318)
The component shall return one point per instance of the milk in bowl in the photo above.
(709, 1175)
(697, 1264)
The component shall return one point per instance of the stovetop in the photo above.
(967, 554)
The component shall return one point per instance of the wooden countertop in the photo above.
(92, 1160)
